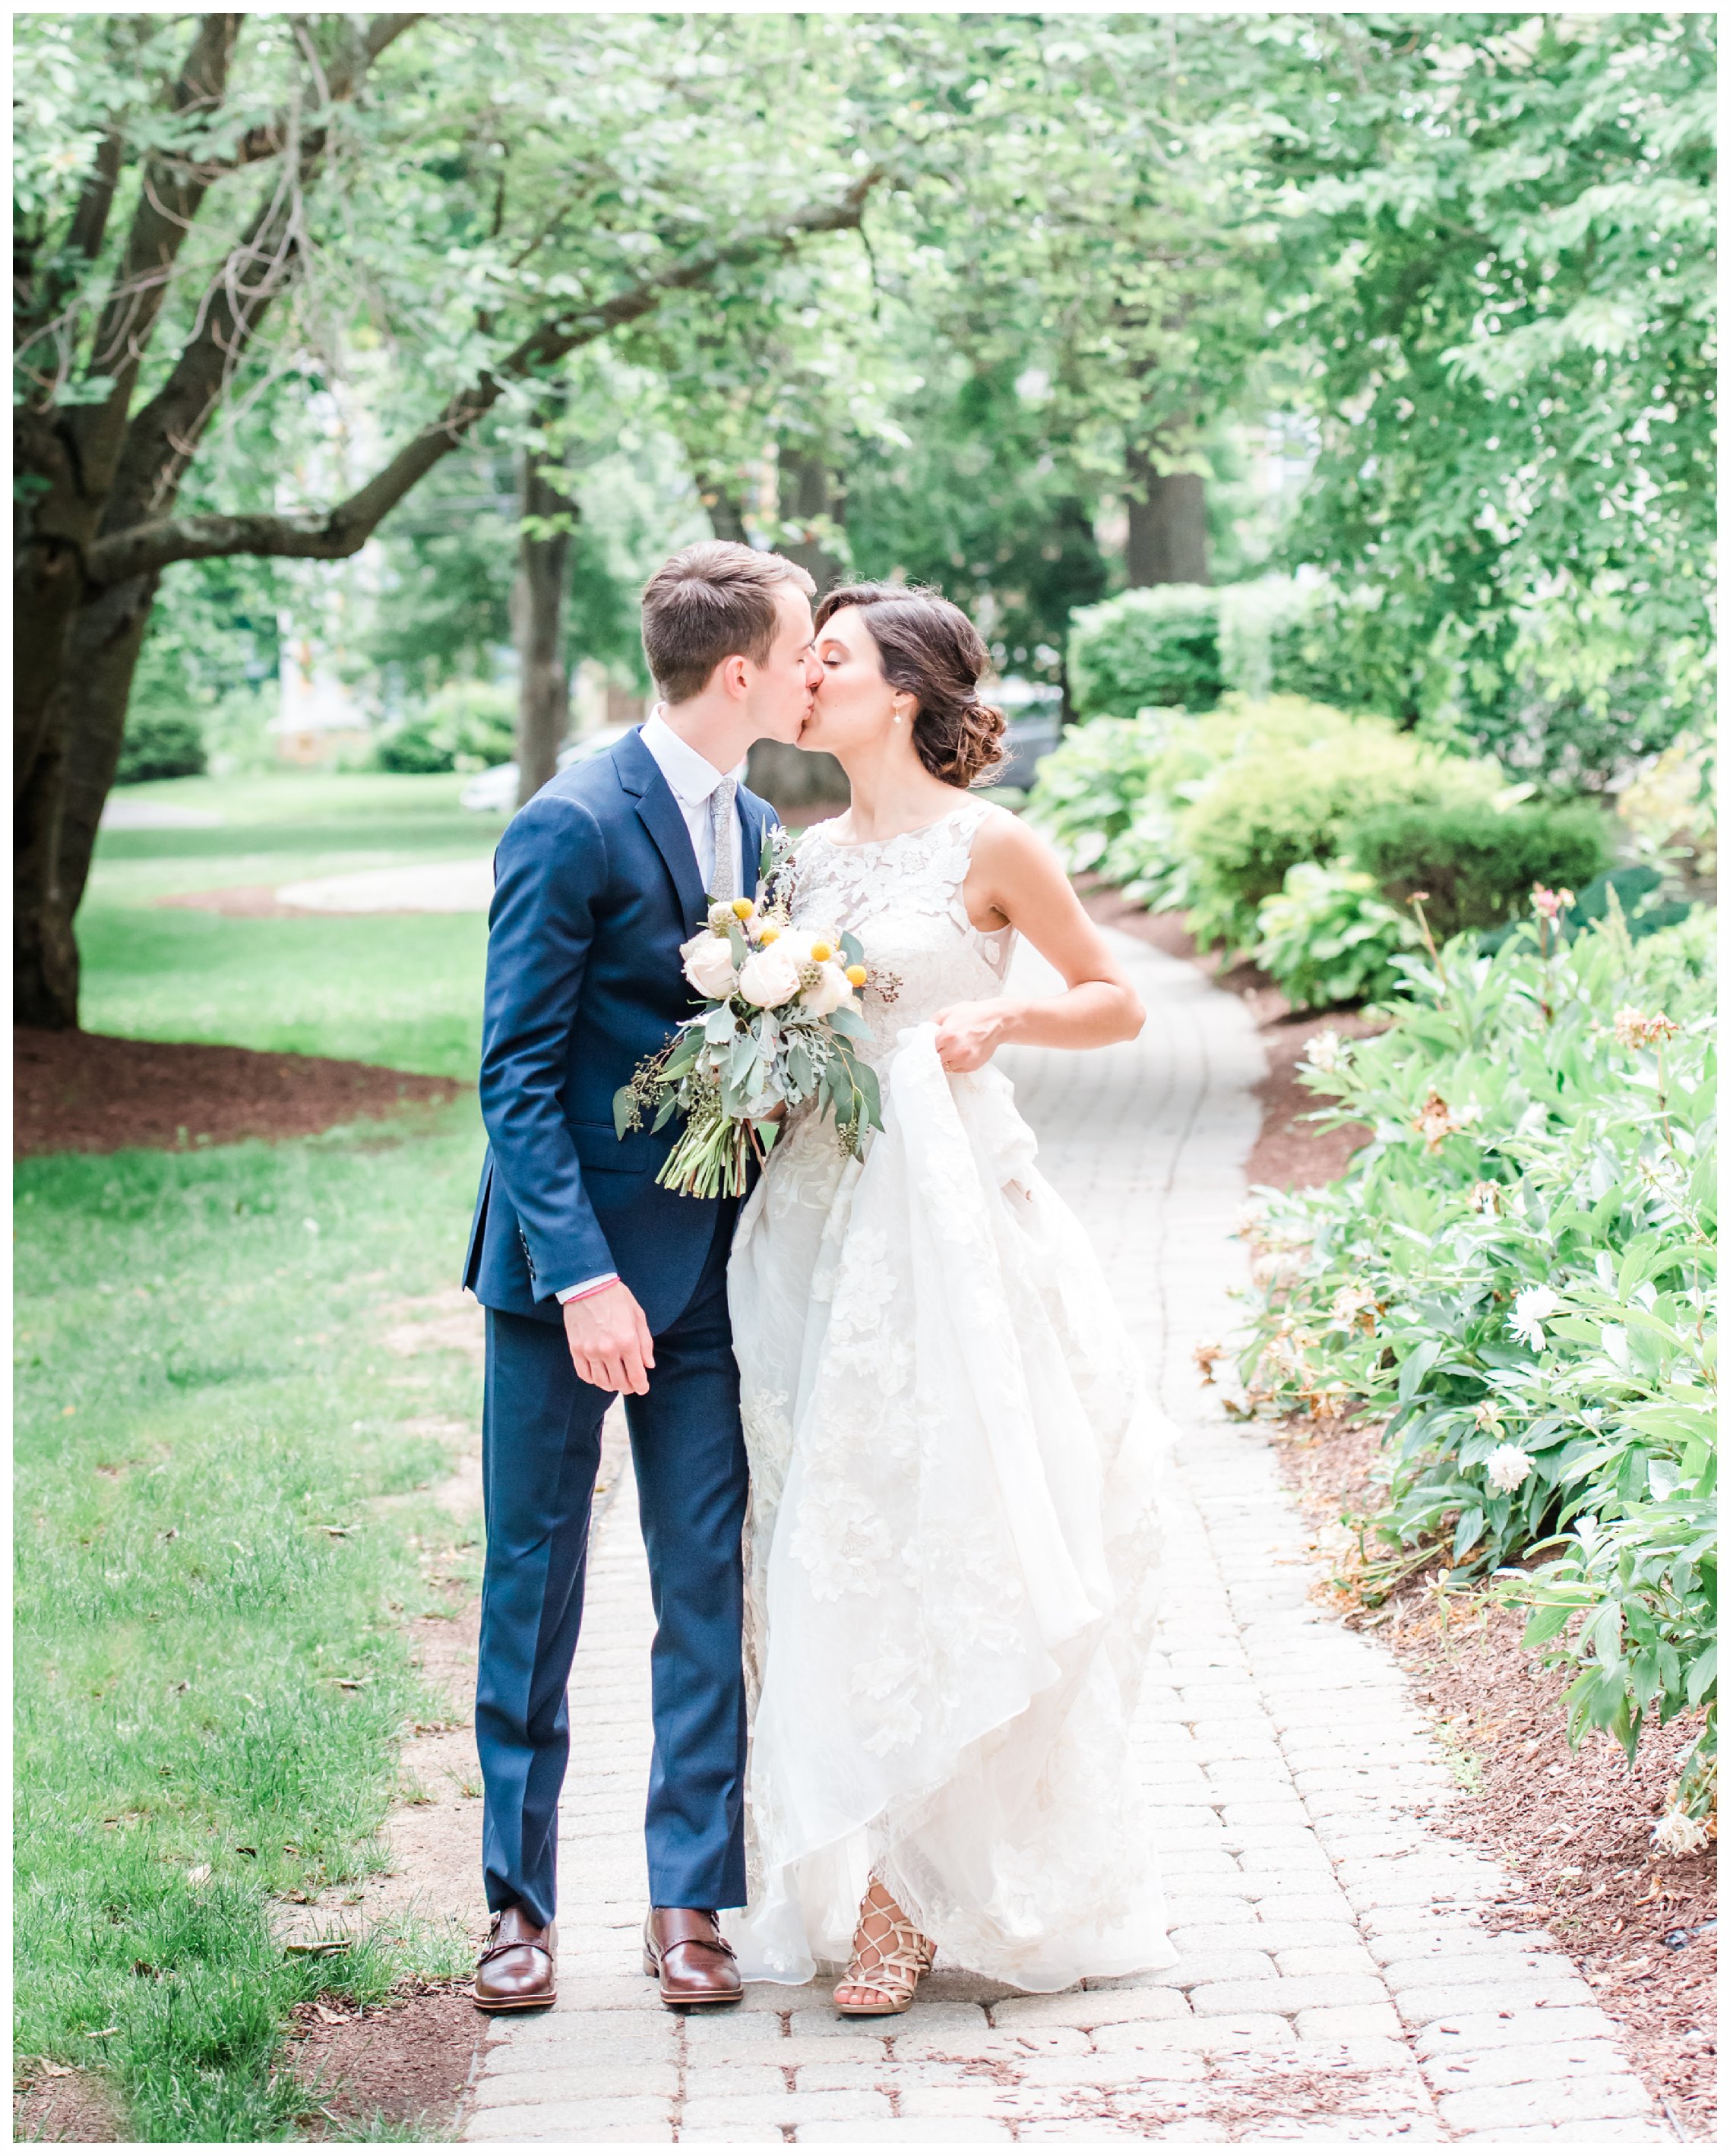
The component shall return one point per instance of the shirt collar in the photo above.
(691, 777)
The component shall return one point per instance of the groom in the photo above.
(597, 1281)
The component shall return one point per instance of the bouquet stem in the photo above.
(712, 1157)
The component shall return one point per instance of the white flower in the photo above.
(708, 964)
(1532, 1305)
(1323, 1052)
(1677, 1835)
(804, 942)
(1353, 1302)
(829, 992)
(1507, 1467)
(769, 976)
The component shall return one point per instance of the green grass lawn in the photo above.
(212, 1669)
(402, 989)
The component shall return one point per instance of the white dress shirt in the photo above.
(692, 779)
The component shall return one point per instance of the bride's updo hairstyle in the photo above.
(932, 652)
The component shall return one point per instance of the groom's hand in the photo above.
(609, 1341)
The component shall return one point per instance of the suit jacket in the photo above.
(596, 887)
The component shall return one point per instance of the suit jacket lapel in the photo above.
(659, 811)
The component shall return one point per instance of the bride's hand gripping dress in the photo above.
(951, 1538)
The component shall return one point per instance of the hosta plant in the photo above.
(1330, 937)
(1090, 784)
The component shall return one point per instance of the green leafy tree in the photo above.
(216, 219)
(1496, 243)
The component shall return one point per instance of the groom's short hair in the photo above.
(706, 603)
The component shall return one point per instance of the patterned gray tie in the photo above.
(723, 882)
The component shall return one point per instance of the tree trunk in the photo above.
(1168, 528)
(56, 817)
(727, 512)
(796, 780)
(537, 602)
(44, 957)
(807, 494)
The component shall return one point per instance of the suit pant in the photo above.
(541, 1449)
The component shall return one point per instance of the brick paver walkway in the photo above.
(1336, 1981)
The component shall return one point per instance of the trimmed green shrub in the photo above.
(1158, 645)
(1330, 937)
(1192, 645)
(465, 727)
(1279, 637)
(159, 744)
(1479, 869)
(1292, 801)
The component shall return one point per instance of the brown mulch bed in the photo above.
(411, 2061)
(245, 902)
(1573, 1828)
(88, 1093)
(1291, 1150)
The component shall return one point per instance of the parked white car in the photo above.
(493, 792)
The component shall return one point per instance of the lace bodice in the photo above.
(903, 898)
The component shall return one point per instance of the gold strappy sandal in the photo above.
(889, 1960)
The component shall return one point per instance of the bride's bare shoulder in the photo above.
(1000, 835)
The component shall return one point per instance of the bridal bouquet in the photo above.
(779, 1019)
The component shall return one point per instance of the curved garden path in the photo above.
(1336, 1979)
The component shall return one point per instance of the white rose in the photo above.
(829, 992)
(769, 976)
(708, 964)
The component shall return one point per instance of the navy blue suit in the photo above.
(596, 886)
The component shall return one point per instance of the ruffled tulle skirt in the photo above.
(952, 1550)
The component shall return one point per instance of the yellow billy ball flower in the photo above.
(820, 952)
(744, 907)
(856, 975)
(767, 935)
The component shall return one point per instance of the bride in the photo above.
(951, 1537)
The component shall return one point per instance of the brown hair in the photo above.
(707, 602)
(931, 649)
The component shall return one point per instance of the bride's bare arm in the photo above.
(1015, 881)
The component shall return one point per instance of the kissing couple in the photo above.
(895, 1468)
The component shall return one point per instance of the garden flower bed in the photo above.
(1517, 1276)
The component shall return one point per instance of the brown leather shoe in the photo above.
(696, 1967)
(516, 1968)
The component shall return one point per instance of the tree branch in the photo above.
(81, 245)
(333, 534)
(271, 137)
(162, 437)
(168, 202)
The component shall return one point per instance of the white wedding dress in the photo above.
(952, 1535)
